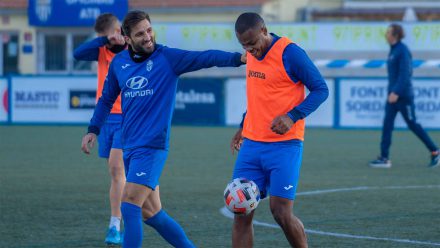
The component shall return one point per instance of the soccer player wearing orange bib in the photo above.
(102, 49)
(270, 139)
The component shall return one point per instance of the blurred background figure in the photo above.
(102, 49)
(401, 99)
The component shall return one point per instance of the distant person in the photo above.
(102, 49)
(146, 75)
(400, 99)
(270, 140)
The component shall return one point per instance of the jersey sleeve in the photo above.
(110, 92)
(299, 67)
(183, 61)
(89, 50)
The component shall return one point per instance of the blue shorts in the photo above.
(273, 166)
(109, 138)
(144, 165)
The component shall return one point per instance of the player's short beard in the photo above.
(140, 49)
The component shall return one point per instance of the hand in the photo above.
(281, 124)
(116, 39)
(393, 97)
(243, 58)
(236, 141)
(88, 142)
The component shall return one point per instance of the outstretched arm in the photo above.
(183, 61)
(89, 50)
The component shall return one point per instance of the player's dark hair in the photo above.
(397, 31)
(104, 22)
(133, 18)
(247, 21)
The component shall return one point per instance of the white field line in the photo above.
(225, 212)
(325, 191)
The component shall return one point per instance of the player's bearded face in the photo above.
(142, 38)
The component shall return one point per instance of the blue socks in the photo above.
(162, 222)
(132, 216)
(169, 230)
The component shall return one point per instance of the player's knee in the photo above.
(243, 220)
(116, 170)
(117, 175)
(148, 212)
(129, 196)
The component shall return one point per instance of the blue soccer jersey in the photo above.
(148, 91)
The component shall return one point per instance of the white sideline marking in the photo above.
(325, 191)
(225, 212)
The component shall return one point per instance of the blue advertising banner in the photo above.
(54, 99)
(72, 13)
(199, 102)
(82, 99)
(362, 103)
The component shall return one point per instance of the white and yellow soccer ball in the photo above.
(241, 196)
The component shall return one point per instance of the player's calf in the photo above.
(242, 231)
(293, 228)
(169, 229)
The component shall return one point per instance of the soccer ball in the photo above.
(241, 196)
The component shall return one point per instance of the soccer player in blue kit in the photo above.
(146, 75)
